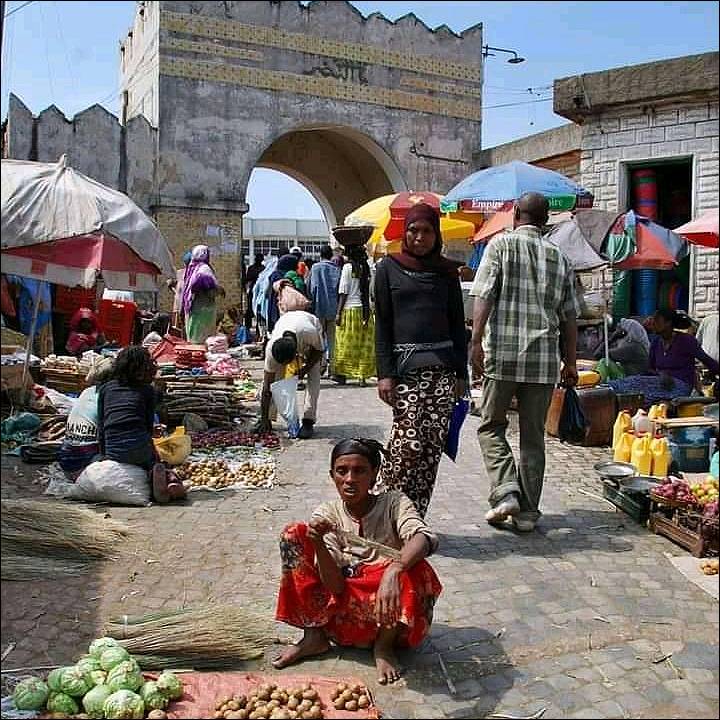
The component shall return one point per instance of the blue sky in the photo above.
(66, 53)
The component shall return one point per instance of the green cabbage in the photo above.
(62, 703)
(152, 696)
(98, 677)
(87, 664)
(125, 676)
(113, 656)
(53, 679)
(30, 694)
(170, 685)
(94, 701)
(124, 705)
(73, 682)
(99, 646)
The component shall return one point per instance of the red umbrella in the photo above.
(657, 248)
(703, 231)
(399, 207)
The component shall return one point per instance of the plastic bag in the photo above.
(459, 413)
(174, 449)
(609, 370)
(573, 425)
(241, 336)
(106, 481)
(284, 394)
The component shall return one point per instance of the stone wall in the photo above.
(635, 134)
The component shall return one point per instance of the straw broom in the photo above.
(205, 637)
(34, 567)
(55, 528)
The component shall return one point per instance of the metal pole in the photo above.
(31, 337)
(2, 27)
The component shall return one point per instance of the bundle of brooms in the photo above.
(48, 539)
(210, 636)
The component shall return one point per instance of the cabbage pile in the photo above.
(105, 683)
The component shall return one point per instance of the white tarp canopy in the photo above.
(51, 202)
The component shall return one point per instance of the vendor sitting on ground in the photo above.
(85, 333)
(296, 340)
(126, 417)
(345, 592)
(158, 330)
(671, 362)
(80, 445)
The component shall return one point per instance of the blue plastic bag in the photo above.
(241, 336)
(459, 413)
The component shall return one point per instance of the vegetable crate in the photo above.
(636, 506)
(689, 529)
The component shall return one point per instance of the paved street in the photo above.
(572, 618)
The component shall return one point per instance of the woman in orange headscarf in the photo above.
(85, 333)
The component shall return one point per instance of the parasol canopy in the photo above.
(61, 226)
(492, 189)
(703, 231)
(387, 215)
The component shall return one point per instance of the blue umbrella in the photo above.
(490, 189)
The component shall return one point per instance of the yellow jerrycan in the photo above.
(623, 424)
(623, 449)
(660, 457)
(641, 456)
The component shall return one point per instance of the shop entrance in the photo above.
(662, 191)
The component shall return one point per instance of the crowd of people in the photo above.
(402, 322)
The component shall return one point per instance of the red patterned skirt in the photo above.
(349, 618)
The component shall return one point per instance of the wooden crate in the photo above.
(699, 543)
(65, 381)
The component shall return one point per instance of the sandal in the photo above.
(160, 484)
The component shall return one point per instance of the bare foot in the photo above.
(386, 662)
(314, 642)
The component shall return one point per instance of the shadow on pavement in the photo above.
(555, 535)
(477, 672)
(350, 430)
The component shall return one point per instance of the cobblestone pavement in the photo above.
(573, 618)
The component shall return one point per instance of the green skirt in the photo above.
(201, 323)
(354, 351)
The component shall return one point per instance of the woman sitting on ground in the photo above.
(158, 330)
(342, 591)
(84, 333)
(126, 419)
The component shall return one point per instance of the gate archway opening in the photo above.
(341, 167)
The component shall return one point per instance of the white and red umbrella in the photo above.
(703, 231)
(61, 226)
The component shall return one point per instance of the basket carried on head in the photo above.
(349, 235)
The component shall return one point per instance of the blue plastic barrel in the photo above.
(644, 291)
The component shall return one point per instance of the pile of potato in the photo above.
(270, 702)
(350, 697)
(218, 474)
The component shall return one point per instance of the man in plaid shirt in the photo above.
(524, 321)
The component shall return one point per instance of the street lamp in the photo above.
(514, 60)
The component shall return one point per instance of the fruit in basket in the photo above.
(710, 566)
(675, 490)
(706, 491)
(30, 694)
(710, 510)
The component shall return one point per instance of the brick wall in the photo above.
(567, 164)
(637, 134)
(221, 231)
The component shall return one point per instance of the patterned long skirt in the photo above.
(354, 352)
(349, 619)
(421, 416)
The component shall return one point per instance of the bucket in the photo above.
(644, 291)
(622, 283)
(646, 192)
(690, 458)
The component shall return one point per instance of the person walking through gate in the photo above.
(524, 322)
(251, 277)
(323, 291)
(421, 351)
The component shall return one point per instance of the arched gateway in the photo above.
(352, 107)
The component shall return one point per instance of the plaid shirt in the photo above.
(531, 285)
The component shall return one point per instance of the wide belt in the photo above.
(406, 350)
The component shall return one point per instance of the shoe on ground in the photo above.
(524, 526)
(339, 379)
(507, 507)
(301, 385)
(306, 431)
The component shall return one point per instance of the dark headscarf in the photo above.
(287, 263)
(370, 449)
(433, 261)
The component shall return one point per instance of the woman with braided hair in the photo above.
(338, 588)
(354, 352)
